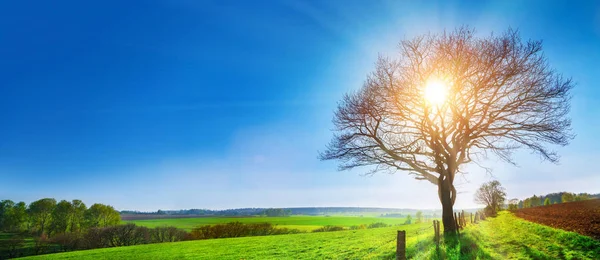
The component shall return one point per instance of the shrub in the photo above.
(361, 226)
(68, 241)
(377, 225)
(167, 234)
(11, 248)
(329, 228)
(41, 244)
(237, 229)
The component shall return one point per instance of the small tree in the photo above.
(492, 195)
(581, 197)
(419, 217)
(100, 215)
(408, 219)
(546, 202)
(527, 203)
(513, 204)
(568, 197)
(536, 201)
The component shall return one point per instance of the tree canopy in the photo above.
(450, 99)
(491, 194)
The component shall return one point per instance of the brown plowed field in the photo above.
(582, 217)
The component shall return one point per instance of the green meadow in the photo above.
(503, 237)
(303, 223)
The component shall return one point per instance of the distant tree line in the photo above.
(50, 223)
(549, 199)
(392, 215)
(47, 217)
(277, 212)
(201, 212)
(260, 211)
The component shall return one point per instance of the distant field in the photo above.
(305, 223)
(503, 237)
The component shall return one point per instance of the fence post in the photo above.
(436, 228)
(471, 217)
(456, 223)
(401, 245)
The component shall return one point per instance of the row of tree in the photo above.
(549, 199)
(260, 211)
(46, 216)
(277, 212)
(493, 195)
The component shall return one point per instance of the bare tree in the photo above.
(492, 195)
(447, 100)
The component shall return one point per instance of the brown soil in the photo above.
(582, 217)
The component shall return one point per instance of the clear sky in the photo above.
(222, 104)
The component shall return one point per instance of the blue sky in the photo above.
(220, 104)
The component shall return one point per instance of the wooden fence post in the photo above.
(436, 228)
(471, 217)
(401, 245)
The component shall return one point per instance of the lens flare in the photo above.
(435, 92)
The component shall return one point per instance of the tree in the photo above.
(6, 207)
(546, 202)
(40, 212)
(568, 197)
(527, 203)
(100, 215)
(536, 201)
(581, 197)
(408, 219)
(19, 216)
(78, 216)
(448, 100)
(418, 217)
(513, 204)
(61, 217)
(492, 195)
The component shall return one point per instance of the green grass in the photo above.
(351, 244)
(503, 237)
(304, 223)
(509, 237)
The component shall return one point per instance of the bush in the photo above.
(41, 244)
(68, 241)
(167, 234)
(361, 226)
(237, 229)
(489, 211)
(11, 248)
(328, 228)
(377, 225)
(121, 235)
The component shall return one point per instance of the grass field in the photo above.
(304, 223)
(503, 237)
(509, 237)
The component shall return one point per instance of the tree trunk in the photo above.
(445, 189)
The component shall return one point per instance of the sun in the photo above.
(435, 92)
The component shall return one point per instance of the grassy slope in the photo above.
(509, 237)
(306, 223)
(353, 244)
(504, 237)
